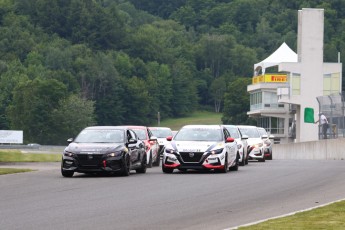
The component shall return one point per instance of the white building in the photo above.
(278, 101)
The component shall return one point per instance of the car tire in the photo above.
(67, 173)
(126, 167)
(235, 167)
(166, 170)
(243, 162)
(149, 165)
(262, 160)
(143, 166)
(247, 160)
(158, 159)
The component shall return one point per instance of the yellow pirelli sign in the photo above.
(269, 78)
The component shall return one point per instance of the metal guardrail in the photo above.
(36, 148)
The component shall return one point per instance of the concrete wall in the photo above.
(330, 149)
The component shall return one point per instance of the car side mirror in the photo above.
(153, 138)
(229, 139)
(69, 140)
(169, 138)
(244, 137)
(264, 136)
(132, 141)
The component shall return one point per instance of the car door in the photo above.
(133, 148)
(154, 144)
(230, 146)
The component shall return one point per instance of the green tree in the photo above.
(160, 87)
(217, 90)
(32, 107)
(12, 73)
(185, 93)
(236, 103)
(72, 115)
(137, 102)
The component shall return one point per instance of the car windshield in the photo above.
(198, 134)
(141, 133)
(233, 132)
(161, 133)
(262, 132)
(250, 132)
(100, 136)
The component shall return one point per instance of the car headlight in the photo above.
(170, 151)
(258, 145)
(216, 151)
(68, 154)
(114, 154)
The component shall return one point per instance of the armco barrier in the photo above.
(330, 149)
(38, 149)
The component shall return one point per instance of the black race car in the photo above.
(104, 149)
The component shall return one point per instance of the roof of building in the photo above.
(283, 54)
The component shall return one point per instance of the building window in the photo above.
(273, 125)
(255, 101)
(331, 83)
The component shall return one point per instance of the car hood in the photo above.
(253, 141)
(162, 140)
(196, 146)
(93, 147)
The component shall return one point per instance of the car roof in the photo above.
(134, 126)
(202, 126)
(153, 127)
(105, 127)
(247, 126)
(230, 126)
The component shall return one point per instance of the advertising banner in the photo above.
(11, 137)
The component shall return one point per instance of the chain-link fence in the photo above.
(332, 106)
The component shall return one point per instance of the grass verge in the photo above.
(4, 171)
(17, 156)
(328, 217)
(196, 118)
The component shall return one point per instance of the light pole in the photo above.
(159, 118)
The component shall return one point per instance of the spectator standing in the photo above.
(324, 124)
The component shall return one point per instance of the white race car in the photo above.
(255, 144)
(161, 133)
(201, 147)
(241, 143)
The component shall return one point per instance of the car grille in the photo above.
(89, 159)
(187, 158)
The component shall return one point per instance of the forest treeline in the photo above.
(67, 64)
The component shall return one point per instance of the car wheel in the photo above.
(143, 167)
(126, 167)
(149, 165)
(67, 173)
(166, 170)
(235, 167)
(156, 163)
(262, 160)
(270, 157)
(243, 162)
(247, 159)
